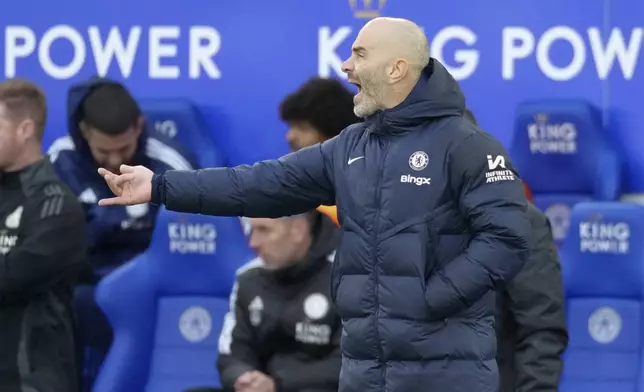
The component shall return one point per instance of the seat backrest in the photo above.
(603, 269)
(167, 306)
(562, 152)
(181, 120)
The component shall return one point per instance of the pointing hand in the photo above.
(132, 186)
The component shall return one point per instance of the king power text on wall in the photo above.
(615, 51)
(115, 45)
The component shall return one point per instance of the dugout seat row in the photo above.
(167, 306)
(565, 156)
(603, 269)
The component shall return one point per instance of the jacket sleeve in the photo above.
(238, 351)
(490, 197)
(51, 246)
(536, 302)
(321, 374)
(293, 184)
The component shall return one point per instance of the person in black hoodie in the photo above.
(42, 251)
(282, 333)
(530, 316)
(107, 128)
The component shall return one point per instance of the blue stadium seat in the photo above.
(167, 306)
(603, 268)
(181, 120)
(563, 154)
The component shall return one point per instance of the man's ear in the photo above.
(398, 71)
(26, 129)
(299, 229)
(140, 124)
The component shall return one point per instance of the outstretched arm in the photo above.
(293, 184)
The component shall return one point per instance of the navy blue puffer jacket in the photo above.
(433, 218)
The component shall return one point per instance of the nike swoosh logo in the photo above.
(354, 159)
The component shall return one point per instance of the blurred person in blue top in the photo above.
(108, 129)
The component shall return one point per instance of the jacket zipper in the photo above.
(375, 264)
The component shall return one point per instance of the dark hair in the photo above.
(25, 100)
(467, 113)
(326, 104)
(110, 109)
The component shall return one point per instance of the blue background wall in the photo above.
(267, 48)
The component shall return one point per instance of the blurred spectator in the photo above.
(282, 334)
(317, 111)
(108, 129)
(530, 317)
(42, 251)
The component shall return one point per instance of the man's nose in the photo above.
(114, 161)
(254, 242)
(347, 66)
(290, 136)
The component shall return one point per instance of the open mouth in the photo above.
(357, 85)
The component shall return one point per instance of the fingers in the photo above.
(104, 172)
(126, 169)
(114, 201)
(122, 179)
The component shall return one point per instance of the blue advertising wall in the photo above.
(240, 58)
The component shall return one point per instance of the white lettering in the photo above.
(616, 231)
(192, 238)
(114, 48)
(578, 53)
(467, 59)
(312, 333)
(552, 138)
(328, 43)
(499, 160)
(519, 43)
(201, 53)
(167, 127)
(199, 247)
(19, 42)
(615, 48)
(159, 50)
(598, 237)
(408, 179)
(511, 52)
(44, 52)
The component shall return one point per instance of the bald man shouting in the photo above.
(433, 218)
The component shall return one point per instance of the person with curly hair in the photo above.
(317, 111)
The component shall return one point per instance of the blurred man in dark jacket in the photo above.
(282, 333)
(42, 251)
(531, 320)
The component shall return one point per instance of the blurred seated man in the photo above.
(42, 252)
(317, 111)
(282, 333)
(107, 129)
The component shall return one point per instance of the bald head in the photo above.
(387, 59)
(402, 39)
